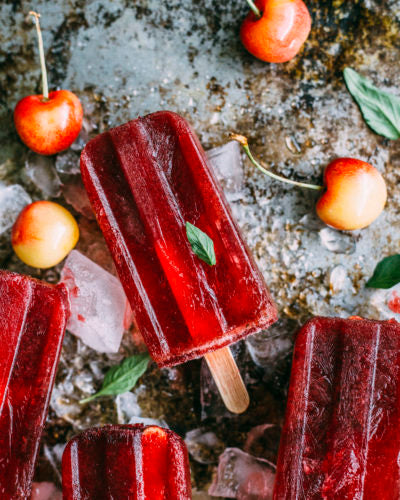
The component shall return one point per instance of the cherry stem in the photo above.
(241, 139)
(254, 8)
(41, 55)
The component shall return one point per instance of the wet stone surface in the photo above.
(126, 59)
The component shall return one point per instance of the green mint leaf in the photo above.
(123, 377)
(386, 274)
(380, 109)
(202, 245)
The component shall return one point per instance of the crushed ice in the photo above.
(98, 303)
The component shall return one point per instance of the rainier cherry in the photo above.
(355, 194)
(50, 122)
(354, 191)
(44, 234)
(275, 30)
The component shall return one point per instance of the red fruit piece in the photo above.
(48, 123)
(279, 33)
(48, 126)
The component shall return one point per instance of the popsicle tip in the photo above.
(230, 384)
(241, 139)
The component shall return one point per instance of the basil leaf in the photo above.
(202, 245)
(380, 109)
(123, 377)
(386, 274)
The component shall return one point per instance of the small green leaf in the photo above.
(386, 274)
(380, 109)
(202, 245)
(123, 377)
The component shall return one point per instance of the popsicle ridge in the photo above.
(184, 272)
(126, 462)
(340, 438)
(145, 179)
(33, 317)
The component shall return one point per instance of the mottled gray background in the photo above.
(128, 58)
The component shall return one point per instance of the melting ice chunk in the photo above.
(385, 304)
(98, 303)
(41, 172)
(203, 446)
(243, 477)
(45, 491)
(68, 163)
(337, 241)
(227, 163)
(12, 200)
(268, 347)
(338, 279)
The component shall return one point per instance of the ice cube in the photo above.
(243, 477)
(385, 304)
(12, 200)
(68, 162)
(98, 303)
(127, 407)
(41, 173)
(45, 491)
(204, 446)
(338, 279)
(227, 163)
(268, 347)
(337, 241)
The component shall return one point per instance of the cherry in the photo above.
(43, 234)
(50, 122)
(355, 194)
(275, 30)
(354, 191)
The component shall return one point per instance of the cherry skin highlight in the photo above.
(278, 35)
(48, 126)
(355, 194)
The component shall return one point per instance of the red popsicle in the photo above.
(341, 435)
(33, 317)
(145, 180)
(126, 462)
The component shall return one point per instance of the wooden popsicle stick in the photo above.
(228, 379)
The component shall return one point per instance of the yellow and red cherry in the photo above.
(275, 30)
(44, 234)
(354, 192)
(50, 122)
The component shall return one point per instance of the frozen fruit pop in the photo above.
(32, 324)
(126, 462)
(341, 438)
(145, 180)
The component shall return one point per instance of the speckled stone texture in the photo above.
(129, 58)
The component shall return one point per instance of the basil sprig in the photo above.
(386, 274)
(202, 245)
(123, 377)
(380, 109)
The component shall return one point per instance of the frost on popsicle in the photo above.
(98, 303)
